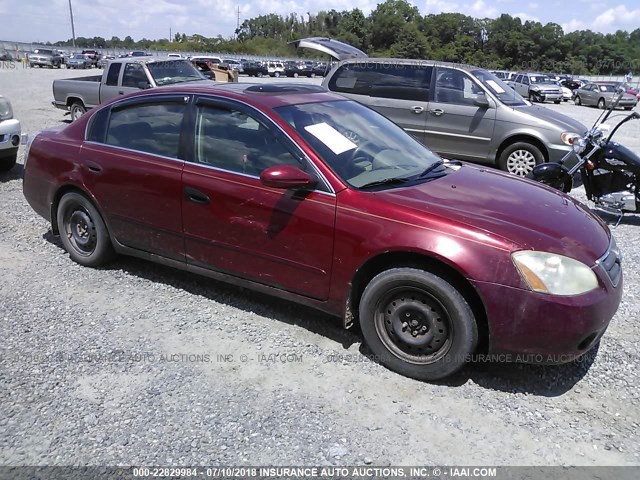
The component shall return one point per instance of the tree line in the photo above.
(396, 28)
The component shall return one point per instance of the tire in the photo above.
(7, 163)
(444, 332)
(77, 110)
(259, 74)
(628, 108)
(295, 75)
(83, 232)
(577, 100)
(557, 102)
(276, 74)
(519, 158)
(602, 104)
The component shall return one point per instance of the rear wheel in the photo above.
(602, 104)
(83, 232)
(417, 324)
(577, 100)
(519, 158)
(77, 110)
(557, 101)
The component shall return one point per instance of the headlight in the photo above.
(6, 112)
(579, 145)
(568, 137)
(554, 274)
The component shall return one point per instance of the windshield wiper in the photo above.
(430, 169)
(386, 181)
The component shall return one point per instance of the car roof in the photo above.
(410, 61)
(271, 95)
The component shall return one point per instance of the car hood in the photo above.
(546, 85)
(542, 117)
(523, 214)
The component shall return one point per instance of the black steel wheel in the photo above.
(417, 324)
(82, 231)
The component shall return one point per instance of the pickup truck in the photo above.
(122, 76)
(537, 87)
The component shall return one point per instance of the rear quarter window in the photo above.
(384, 80)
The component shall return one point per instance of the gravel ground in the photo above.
(139, 364)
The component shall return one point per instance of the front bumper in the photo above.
(41, 61)
(9, 136)
(550, 95)
(557, 151)
(539, 328)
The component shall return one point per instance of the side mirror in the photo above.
(144, 85)
(286, 176)
(481, 101)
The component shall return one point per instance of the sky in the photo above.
(48, 20)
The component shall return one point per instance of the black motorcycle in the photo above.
(609, 171)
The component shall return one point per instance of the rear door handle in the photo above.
(196, 196)
(437, 111)
(93, 167)
(417, 109)
(120, 92)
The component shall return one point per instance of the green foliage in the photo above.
(396, 28)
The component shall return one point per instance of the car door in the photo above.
(132, 163)
(457, 126)
(235, 224)
(587, 94)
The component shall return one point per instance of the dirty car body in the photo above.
(306, 195)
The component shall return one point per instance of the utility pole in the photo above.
(238, 22)
(73, 30)
(170, 37)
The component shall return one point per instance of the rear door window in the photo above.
(150, 128)
(113, 74)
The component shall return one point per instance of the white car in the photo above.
(9, 136)
(275, 69)
(567, 94)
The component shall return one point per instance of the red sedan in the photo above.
(300, 193)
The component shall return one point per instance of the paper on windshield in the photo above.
(496, 88)
(331, 137)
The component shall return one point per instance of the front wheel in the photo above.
(83, 232)
(520, 158)
(557, 102)
(77, 110)
(417, 324)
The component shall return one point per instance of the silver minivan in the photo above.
(459, 111)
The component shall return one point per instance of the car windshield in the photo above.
(539, 79)
(364, 148)
(79, 56)
(174, 71)
(501, 90)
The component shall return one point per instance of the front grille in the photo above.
(611, 263)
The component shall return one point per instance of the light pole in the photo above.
(73, 30)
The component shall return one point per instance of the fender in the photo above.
(554, 175)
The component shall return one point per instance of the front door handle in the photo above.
(120, 92)
(196, 196)
(437, 111)
(417, 109)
